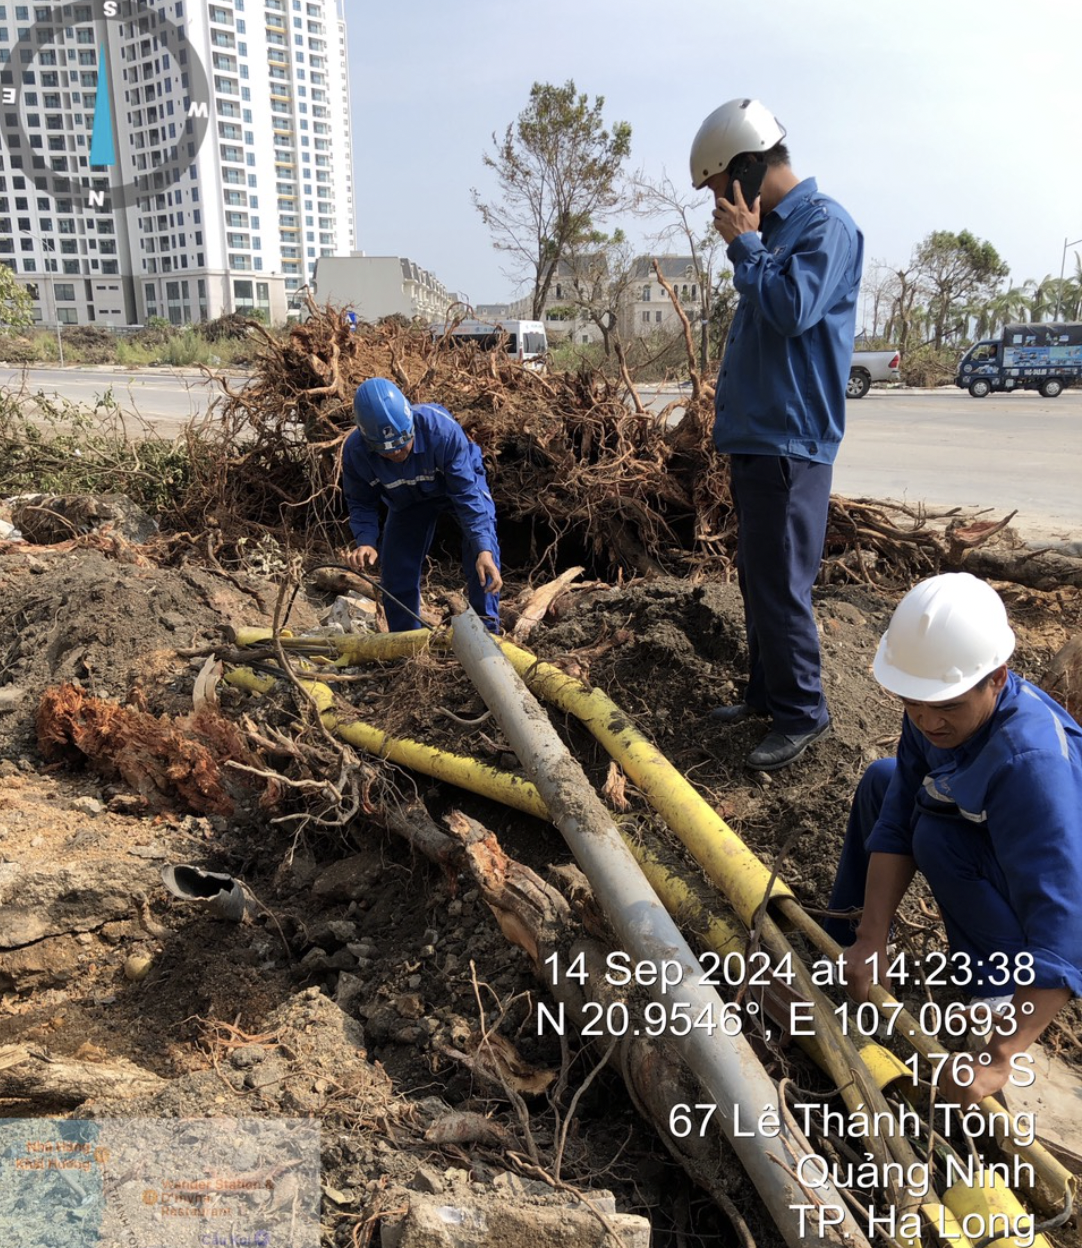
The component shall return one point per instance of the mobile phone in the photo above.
(750, 174)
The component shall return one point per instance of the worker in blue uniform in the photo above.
(984, 798)
(779, 405)
(416, 460)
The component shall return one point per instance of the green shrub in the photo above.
(925, 366)
(133, 352)
(233, 326)
(55, 446)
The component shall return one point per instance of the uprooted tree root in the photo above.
(165, 761)
(573, 460)
(564, 451)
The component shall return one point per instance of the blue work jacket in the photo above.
(1019, 779)
(781, 389)
(443, 470)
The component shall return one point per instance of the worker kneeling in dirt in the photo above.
(417, 460)
(985, 800)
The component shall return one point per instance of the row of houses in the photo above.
(637, 303)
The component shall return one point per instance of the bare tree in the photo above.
(595, 279)
(558, 170)
(677, 213)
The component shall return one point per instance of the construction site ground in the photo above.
(365, 965)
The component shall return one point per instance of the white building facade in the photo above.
(378, 286)
(172, 158)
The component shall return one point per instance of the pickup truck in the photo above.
(869, 366)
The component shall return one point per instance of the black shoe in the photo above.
(735, 714)
(777, 750)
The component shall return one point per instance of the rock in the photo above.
(77, 897)
(427, 1180)
(333, 932)
(343, 880)
(88, 806)
(503, 1216)
(10, 697)
(50, 963)
(408, 1005)
(137, 967)
(47, 518)
(247, 1056)
(348, 990)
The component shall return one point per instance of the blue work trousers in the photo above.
(781, 507)
(955, 856)
(404, 546)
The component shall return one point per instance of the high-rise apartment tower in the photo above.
(172, 158)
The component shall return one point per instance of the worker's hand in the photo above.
(864, 963)
(969, 1077)
(487, 573)
(361, 557)
(732, 220)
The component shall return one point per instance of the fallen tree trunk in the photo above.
(43, 1082)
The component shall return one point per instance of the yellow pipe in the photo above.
(945, 1226)
(713, 844)
(724, 938)
(885, 1067)
(987, 1206)
(351, 648)
(356, 648)
(465, 773)
(718, 849)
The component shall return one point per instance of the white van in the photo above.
(526, 341)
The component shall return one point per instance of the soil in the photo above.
(362, 964)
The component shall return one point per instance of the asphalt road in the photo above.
(164, 399)
(945, 448)
(941, 448)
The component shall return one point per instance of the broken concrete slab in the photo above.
(511, 1213)
(76, 897)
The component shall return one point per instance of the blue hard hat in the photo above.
(383, 415)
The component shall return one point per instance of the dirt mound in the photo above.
(81, 617)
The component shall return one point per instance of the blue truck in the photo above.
(1047, 358)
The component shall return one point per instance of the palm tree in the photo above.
(1002, 309)
(1042, 297)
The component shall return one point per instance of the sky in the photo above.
(916, 115)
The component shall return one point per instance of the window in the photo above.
(657, 317)
(67, 316)
(646, 294)
(64, 291)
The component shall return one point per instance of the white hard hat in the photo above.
(739, 126)
(945, 636)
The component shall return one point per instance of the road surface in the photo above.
(944, 448)
(166, 399)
